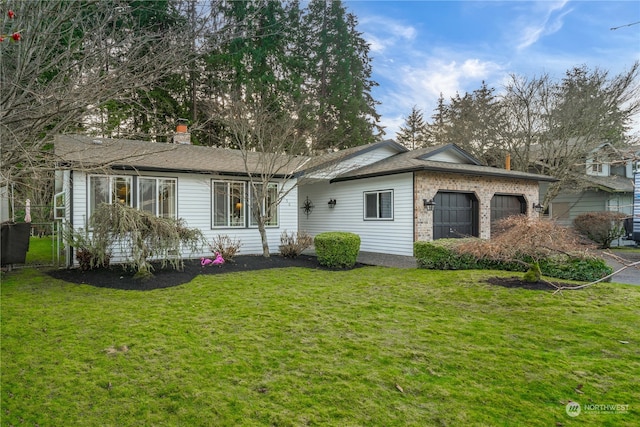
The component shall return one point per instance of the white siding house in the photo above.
(382, 191)
(393, 235)
(105, 170)
(386, 194)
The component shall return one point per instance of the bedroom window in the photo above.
(108, 189)
(269, 203)
(378, 205)
(158, 196)
(229, 204)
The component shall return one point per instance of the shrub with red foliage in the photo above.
(520, 237)
(601, 227)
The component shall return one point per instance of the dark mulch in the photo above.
(117, 278)
(517, 282)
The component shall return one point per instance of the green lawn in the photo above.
(41, 251)
(368, 347)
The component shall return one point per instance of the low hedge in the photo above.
(441, 255)
(337, 249)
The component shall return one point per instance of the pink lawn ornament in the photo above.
(219, 260)
(205, 261)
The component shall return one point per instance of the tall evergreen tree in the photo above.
(338, 70)
(437, 129)
(413, 134)
(474, 121)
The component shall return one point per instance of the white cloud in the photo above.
(421, 84)
(383, 33)
(542, 23)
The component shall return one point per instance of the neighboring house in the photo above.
(607, 179)
(384, 192)
(206, 187)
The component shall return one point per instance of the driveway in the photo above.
(629, 276)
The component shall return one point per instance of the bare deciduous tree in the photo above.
(77, 59)
(270, 143)
(554, 125)
(73, 56)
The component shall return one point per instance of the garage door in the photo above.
(455, 215)
(504, 205)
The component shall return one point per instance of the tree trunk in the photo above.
(263, 237)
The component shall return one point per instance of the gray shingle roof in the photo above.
(83, 152)
(87, 153)
(417, 160)
(613, 183)
(324, 160)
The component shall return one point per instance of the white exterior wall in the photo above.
(383, 236)
(194, 207)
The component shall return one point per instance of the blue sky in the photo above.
(423, 48)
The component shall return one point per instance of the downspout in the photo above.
(70, 250)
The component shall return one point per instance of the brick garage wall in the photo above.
(427, 184)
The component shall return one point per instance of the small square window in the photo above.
(378, 204)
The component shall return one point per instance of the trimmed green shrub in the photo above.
(533, 274)
(337, 249)
(583, 269)
(442, 257)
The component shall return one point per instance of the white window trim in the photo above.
(378, 218)
(252, 221)
(247, 205)
(157, 179)
(230, 208)
(111, 178)
(60, 205)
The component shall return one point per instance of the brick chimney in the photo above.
(182, 136)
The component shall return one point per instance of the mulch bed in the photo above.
(116, 277)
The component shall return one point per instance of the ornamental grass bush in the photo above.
(337, 249)
(141, 237)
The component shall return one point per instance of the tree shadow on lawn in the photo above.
(116, 277)
(517, 282)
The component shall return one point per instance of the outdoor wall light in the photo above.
(537, 207)
(429, 204)
(332, 203)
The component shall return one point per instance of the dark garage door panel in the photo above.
(503, 206)
(455, 215)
